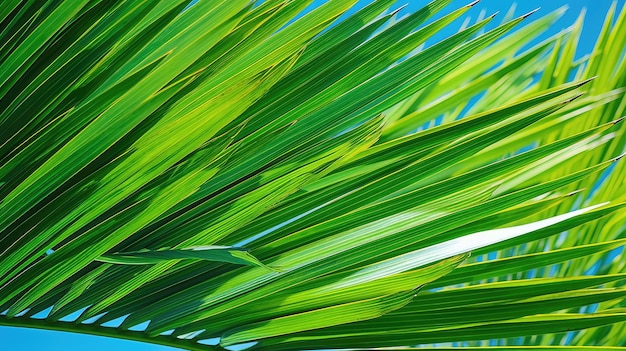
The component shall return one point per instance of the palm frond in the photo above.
(231, 173)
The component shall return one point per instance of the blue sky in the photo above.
(19, 339)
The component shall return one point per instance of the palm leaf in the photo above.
(265, 175)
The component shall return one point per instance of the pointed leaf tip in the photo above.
(575, 192)
(586, 81)
(619, 157)
(531, 12)
(618, 120)
(402, 7)
(573, 98)
(473, 3)
(495, 14)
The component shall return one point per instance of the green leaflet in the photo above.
(504, 266)
(460, 245)
(209, 253)
(326, 317)
(522, 326)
